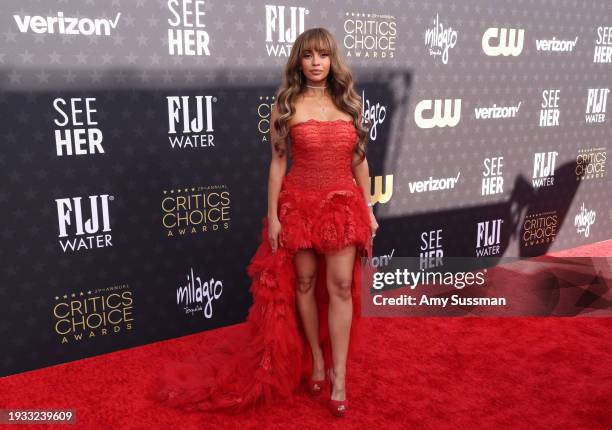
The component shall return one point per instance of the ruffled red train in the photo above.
(267, 358)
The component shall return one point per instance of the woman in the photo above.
(317, 227)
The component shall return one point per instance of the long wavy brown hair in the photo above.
(339, 79)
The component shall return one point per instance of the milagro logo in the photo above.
(283, 25)
(187, 35)
(86, 233)
(503, 41)
(584, 220)
(439, 40)
(373, 112)
(61, 24)
(198, 295)
(444, 113)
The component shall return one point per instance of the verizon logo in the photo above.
(556, 45)
(497, 111)
(66, 25)
(432, 184)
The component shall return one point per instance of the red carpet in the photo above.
(417, 373)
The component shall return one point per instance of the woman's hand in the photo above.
(373, 223)
(274, 229)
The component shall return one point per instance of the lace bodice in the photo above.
(321, 154)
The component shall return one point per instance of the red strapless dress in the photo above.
(319, 206)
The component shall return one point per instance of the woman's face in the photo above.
(315, 65)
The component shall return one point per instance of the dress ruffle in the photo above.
(328, 219)
(264, 362)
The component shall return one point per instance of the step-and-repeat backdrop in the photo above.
(135, 149)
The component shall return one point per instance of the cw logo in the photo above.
(509, 41)
(378, 196)
(440, 117)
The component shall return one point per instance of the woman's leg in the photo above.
(305, 264)
(339, 277)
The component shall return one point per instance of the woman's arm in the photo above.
(278, 167)
(361, 173)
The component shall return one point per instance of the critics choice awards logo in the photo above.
(264, 114)
(369, 35)
(92, 314)
(591, 163)
(194, 210)
(539, 228)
